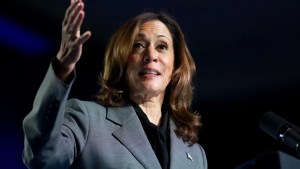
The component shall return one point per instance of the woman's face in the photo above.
(151, 62)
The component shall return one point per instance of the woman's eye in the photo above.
(138, 45)
(163, 46)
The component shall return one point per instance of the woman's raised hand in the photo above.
(72, 40)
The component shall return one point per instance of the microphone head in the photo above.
(273, 124)
(280, 129)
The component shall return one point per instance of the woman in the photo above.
(141, 118)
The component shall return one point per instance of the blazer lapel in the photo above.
(180, 155)
(132, 136)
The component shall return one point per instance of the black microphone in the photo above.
(280, 129)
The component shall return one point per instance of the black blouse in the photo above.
(159, 137)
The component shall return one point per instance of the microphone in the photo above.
(281, 129)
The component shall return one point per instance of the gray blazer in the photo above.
(61, 133)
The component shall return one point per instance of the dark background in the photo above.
(247, 55)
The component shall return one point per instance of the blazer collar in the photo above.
(121, 115)
(132, 135)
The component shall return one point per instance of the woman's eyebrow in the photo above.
(163, 36)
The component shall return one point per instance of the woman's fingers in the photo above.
(73, 18)
(71, 37)
(69, 11)
(84, 37)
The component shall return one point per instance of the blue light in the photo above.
(21, 39)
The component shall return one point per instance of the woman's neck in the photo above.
(151, 106)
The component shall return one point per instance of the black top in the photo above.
(157, 136)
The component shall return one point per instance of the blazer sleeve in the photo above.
(48, 142)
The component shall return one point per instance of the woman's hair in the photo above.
(114, 91)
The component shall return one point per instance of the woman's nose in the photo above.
(150, 55)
